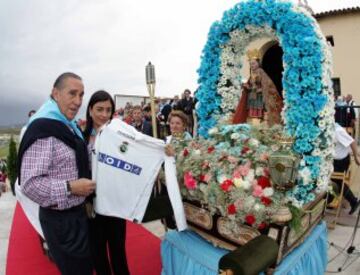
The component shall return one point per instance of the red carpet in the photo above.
(25, 254)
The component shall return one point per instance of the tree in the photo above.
(12, 164)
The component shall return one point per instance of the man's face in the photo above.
(137, 115)
(69, 97)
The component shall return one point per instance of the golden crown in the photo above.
(253, 54)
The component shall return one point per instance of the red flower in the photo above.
(245, 150)
(202, 177)
(262, 226)
(226, 185)
(185, 152)
(231, 209)
(250, 219)
(266, 201)
(263, 182)
(211, 149)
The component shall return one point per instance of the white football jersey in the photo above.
(125, 164)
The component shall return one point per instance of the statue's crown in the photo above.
(253, 54)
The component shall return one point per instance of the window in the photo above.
(330, 40)
(336, 86)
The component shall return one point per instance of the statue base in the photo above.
(213, 227)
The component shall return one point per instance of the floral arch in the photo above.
(307, 89)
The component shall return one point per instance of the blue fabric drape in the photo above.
(308, 258)
(186, 253)
(51, 110)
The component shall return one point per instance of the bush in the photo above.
(12, 164)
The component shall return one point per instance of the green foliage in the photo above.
(295, 222)
(12, 164)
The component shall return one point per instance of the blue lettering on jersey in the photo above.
(120, 164)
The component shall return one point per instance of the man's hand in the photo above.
(82, 187)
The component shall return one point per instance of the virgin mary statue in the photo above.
(260, 99)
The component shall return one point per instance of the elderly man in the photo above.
(54, 172)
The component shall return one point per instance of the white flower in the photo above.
(268, 191)
(213, 131)
(246, 184)
(305, 174)
(254, 142)
(249, 202)
(235, 136)
(221, 178)
(250, 176)
(258, 207)
(197, 152)
(259, 171)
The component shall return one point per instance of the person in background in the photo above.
(175, 103)
(141, 124)
(53, 169)
(23, 129)
(107, 233)
(343, 144)
(3, 186)
(128, 118)
(186, 104)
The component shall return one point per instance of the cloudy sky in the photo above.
(107, 42)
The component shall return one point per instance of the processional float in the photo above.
(259, 186)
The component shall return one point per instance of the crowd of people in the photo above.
(139, 116)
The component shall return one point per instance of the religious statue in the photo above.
(260, 99)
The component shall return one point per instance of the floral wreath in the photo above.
(308, 112)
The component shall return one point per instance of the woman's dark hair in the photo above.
(98, 96)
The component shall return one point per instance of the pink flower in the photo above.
(264, 157)
(232, 159)
(266, 172)
(239, 204)
(257, 191)
(189, 181)
(205, 164)
(242, 170)
(205, 178)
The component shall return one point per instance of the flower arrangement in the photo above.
(229, 174)
(308, 112)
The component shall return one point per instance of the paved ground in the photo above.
(340, 236)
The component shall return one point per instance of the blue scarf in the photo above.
(51, 110)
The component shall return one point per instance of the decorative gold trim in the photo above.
(293, 235)
(212, 239)
(198, 216)
(246, 234)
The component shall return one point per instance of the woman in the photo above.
(105, 231)
(178, 122)
(260, 98)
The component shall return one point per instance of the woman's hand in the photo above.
(169, 150)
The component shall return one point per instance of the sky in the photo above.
(108, 43)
